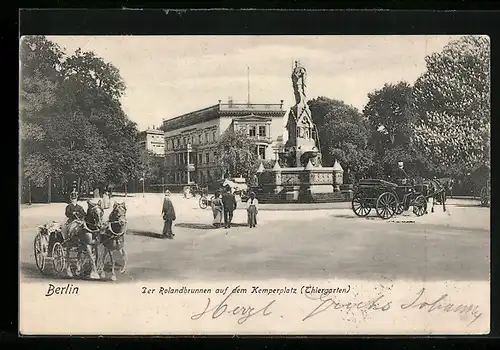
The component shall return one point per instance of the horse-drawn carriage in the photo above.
(82, 253)
(387, 198)
(49, 245)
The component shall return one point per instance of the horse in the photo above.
(438, 189)
(113, 238)
(85, 232)
(236, 188)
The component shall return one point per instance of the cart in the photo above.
(387, 198)
(205, 202)
(49, 245)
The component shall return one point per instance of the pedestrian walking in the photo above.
(217, 210)
(229, 205)
(168, 213)
(252, 210)
(106, 200)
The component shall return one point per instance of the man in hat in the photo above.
(229, 205)
(168, 214)
(73, 211)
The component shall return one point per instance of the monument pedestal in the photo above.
(303, 185)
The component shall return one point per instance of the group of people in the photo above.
(223, 205)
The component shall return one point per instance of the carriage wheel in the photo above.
(400, 209)
(484, 197)
(203, 202)
(387, 204)
(419, 206)
(359, 205)
(58, 258)
(41, 249)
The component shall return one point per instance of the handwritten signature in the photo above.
(223, 308)
(443, 305)
(380, 303)
(375, 304)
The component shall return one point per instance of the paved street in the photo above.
(327, 242)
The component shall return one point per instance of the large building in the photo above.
(190, 139)
(153, 141)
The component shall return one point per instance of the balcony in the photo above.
(264, 139)
(185, 167)
(188, 147)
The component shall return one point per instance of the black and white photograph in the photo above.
(254, 184)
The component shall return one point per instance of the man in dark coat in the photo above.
(229, 204)
(73, 211)
(168, 213)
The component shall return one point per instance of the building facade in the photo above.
(153, 141)
(191, 139)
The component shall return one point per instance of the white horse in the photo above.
(236, 187)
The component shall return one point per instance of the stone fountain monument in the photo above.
(298, 175)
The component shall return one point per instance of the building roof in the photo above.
(153, 131)
(220, 109)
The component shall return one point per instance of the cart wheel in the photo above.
(484, 197)
(41, 250)
(58, 258)
(400, 209)
(203, 202)
(359, 205)
(419, 206)
(387, 204)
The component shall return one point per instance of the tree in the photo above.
(236, 155)
(389, 116)
(40, 78)
(72, 121)
(452, 105)
(343, 136)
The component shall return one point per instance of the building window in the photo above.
(262, 130)
(215, 156)
(206, 137)
(251, 131)
(207, 158)
(214, 136)
(261, 152)
(200, 158)
(199, 139)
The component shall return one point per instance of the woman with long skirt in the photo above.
(217, 210)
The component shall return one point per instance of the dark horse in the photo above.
(113, 238)
(85, 234)
(437, 190)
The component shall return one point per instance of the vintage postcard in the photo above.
(276, 185)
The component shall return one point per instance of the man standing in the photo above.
(229, 204)
(168, 213)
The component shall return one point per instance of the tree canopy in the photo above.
(452, 105)
(235, 154)
(72, 121)
(343, 135)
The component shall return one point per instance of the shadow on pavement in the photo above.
(346, 216)
(197, 226)
(144, 233)
(469, 206)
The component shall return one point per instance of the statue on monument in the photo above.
(299, 75)
(300, 147)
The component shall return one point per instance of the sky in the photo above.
(167, 76)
